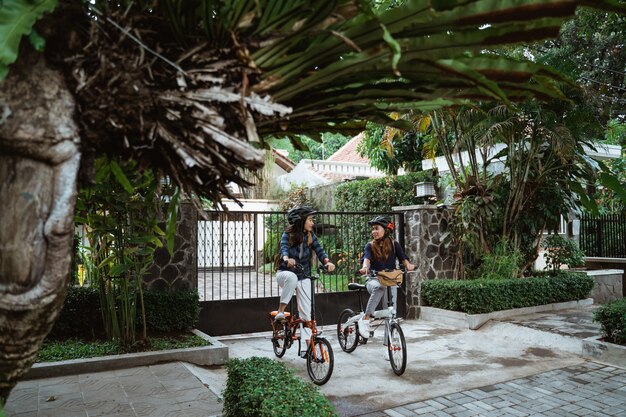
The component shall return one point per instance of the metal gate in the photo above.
(235, 278)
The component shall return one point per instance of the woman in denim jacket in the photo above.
(296, 246)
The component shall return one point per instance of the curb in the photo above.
(475, 321)
(608, 353)
(215, 354)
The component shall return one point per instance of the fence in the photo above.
(603, 236)
(236, 251)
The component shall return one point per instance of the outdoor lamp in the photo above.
(425, 190)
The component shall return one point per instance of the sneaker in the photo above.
(280, 316)
(364, 328)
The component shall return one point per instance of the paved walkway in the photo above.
(165, 390)
(588, 389)
(527, 367)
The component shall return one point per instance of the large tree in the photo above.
(191, 87)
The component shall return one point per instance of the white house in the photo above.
(602, 152)
(345, 164)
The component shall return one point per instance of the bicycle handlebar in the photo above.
(373, 272)
(320, 269)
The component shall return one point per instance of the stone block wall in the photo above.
(608, 263)
(177, 272)
(608, 285)
(424, 230)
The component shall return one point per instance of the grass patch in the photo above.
(62, 350)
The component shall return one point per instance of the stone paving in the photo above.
(164, 390)
(588, 389)
(578, 322)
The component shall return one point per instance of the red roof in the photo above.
(348, 153)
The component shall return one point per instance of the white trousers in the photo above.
(288, 281)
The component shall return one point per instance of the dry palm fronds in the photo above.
(188, 112)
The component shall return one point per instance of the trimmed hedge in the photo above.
(612, 318)
(488, 295)
(165, 312)
(379, 194)
(171, 311)
(80, 315)
(261, 387)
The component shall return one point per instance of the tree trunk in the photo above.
(39, 160)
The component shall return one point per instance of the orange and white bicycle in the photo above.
(319, 354)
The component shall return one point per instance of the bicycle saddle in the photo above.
(353, 286)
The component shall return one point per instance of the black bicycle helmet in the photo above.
(299, 213)
(383, 221)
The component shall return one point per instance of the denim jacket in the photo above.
(294, 252)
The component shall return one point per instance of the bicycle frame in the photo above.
(348, 331)
(388, 314)
(290, 326)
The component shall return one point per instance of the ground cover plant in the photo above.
(67, 349)
(261, 387)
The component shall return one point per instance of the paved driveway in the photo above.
(502, 369)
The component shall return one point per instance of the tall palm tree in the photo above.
(191, 88)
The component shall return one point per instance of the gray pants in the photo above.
(377, 293)
(288, 281)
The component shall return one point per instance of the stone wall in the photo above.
(608, 263)
(424, 228)
(608, 285)
(177, 272)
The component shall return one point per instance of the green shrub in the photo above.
(612, 317)
(171, 311)
(81, 315)
(261, 387)
(379, 194)
(561, 251)
(503, 262)
(165, 312)
(485, 295)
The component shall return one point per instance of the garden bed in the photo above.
(214, 354)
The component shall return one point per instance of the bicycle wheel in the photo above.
(320, 361)
(347, 335)
(279, 338)
(397, 349)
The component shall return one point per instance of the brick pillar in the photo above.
(424, 229)
(179, 271)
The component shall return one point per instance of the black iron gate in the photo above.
(603, 236)
(235, 278)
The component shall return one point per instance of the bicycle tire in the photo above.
(348, 337)
(320, 361)
(397, 349)
(279, 338)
